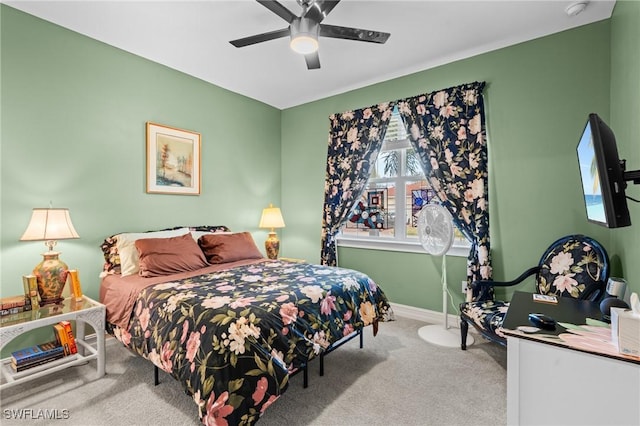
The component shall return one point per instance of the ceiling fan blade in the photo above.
(320, 9)
(278, 9)
(259, 38)
(313, 60)
(353, 34)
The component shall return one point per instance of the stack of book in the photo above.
(15, 304)
(64, 345)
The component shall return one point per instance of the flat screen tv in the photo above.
(603, 175)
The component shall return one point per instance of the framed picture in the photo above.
(173, 160)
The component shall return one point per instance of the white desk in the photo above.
(552, 385)
(565, 378)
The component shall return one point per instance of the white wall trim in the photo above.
(425, 315)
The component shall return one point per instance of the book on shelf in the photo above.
(73, 348)
(25, 366)
(62, 338)
(36, 352)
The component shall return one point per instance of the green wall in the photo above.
(73, 132)
(625, 121)
(73, 115)
(538, 96)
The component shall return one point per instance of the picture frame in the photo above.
(173, 160)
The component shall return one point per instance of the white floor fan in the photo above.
(435, 231)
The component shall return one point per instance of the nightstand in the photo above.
(85, 311)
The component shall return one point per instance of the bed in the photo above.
(203, 304)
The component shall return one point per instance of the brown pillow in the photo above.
(223, 248)
(166, 256)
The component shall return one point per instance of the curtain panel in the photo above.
(447, 130)
(355, 138)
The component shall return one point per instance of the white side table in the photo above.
(86, 311)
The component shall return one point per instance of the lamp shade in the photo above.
(271, 218)
(49, 224)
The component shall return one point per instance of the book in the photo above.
(16, 310)
(76, 290)
(62, 338)
(73, 348)
(12, 302)
(30, 284)
(36, 352)
(21, 367)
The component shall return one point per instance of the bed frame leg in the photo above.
(156, 382)
(305, 376)
(322, 364)
(361, 338)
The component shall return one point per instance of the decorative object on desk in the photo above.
(173, 160)
(272, 218)
(573, 266)
(76, 289)
(50, 225)
(625, 327)
(435, 232)
(616, 289)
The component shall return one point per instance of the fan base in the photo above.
(438, 335)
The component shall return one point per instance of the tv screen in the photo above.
(602, 174)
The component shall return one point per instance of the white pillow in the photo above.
(197, 234)
(126, 244)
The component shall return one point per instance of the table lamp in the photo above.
(272, 218)
(50, 225)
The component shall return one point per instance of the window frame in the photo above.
(400, 242)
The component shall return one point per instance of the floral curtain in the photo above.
(355, 138)
(447, 130)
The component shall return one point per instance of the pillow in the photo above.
(127, 249)
(223, 248)
(197, 234)
(166, 256)
(112, 257)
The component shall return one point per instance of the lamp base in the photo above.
(51, 275)
(272, 246)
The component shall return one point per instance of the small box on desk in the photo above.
(625, 331)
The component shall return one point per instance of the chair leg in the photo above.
(464, 329)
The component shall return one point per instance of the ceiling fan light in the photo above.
(304, 44)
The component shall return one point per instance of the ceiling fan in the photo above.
(305, 29)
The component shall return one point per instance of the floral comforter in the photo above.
(233, 337)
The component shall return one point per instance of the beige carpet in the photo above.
(397, 378)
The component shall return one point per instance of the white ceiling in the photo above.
(193, 37)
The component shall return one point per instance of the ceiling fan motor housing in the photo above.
(304, 35)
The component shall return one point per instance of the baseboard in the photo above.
(108, 339)
(426, 315)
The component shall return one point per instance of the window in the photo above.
(385, 217)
